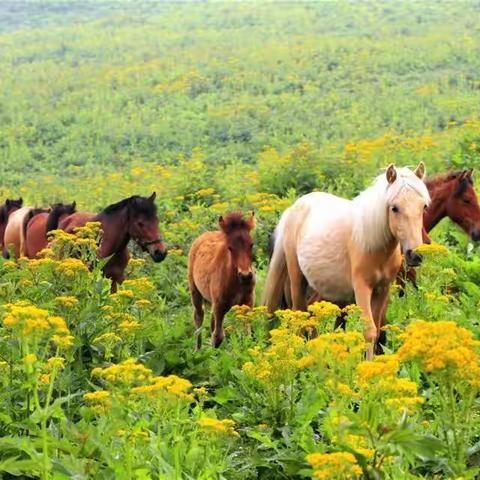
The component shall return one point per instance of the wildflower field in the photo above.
(220, 107)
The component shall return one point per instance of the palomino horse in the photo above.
(36, 227)
(134, 218)
(14, 236)
(6, 209)
(349, 249)
(220, 272)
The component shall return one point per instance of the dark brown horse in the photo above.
(134, 218)
(37, 224)
(220, 272)
(5, 210)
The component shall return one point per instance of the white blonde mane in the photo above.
(370, 225)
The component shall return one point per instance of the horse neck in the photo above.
(437, 210)
(115, 232)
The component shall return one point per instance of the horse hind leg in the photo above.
(297, 280)
(198, 314)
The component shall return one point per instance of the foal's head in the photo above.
(453, 195)
(407, 198)
(240, 243)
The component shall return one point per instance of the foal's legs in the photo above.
(219, 310)
(197, 302)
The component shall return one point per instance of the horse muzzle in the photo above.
(158, 255)
(245, 278)
(413, 259)
(475, 235)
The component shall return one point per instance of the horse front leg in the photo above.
(379, 310)
(115, 268)
(219, 310)
(363, 298)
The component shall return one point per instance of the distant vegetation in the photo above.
(216, 107)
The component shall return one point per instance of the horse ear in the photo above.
(420, 171)
(463, 175)
(221, 222)
(74, 204)
(152, 197)
(252, 221)
(391, 173)
(8, 202)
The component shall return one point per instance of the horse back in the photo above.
(75, 220)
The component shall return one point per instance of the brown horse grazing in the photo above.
(37, 226)
(6, 209)
(220, 272)
(134, 218)
(14, 236)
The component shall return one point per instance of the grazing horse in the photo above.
(6, 209)
(14, 236)
(134, 218)
(37, 226)
(349, 249)
(220, 272)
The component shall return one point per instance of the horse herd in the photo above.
(325, 247)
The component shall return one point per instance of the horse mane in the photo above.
(136, 204)
(7, 206)
(234, 222)
(3, 213)
(439, 180)
(57, 211)
(370, 224)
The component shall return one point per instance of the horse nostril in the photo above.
(413, 259)
(475, 235)
(245, 277)
(159, 255)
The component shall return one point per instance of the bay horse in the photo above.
(349, 250)
(6, 209)
(452, 195)
(14, 236)
(220, 272)
(37, 226)
(134, 218)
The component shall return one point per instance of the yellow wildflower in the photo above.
(219, 427)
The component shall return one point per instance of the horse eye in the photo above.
(467, 201)
(140, 224)
(425, 207)
(395, 209)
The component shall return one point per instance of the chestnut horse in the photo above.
(14, 236)
(349, 249)
(220, 272)
(6, 209)
(37, 226)
(452, 195)
(134, 218)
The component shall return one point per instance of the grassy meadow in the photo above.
(223, 106)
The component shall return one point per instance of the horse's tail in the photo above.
(23, 234)
(28, 216)
(273, 292)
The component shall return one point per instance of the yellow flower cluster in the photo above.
(172, 385)
(442, 348)
(379, 377)
(219, 427)
(279, 362)
(339, 465)
(34, 321)
(126, 373)
(66, 301)
(323, 310)
(101, 396)
(141, 287)
(433, 249)
(246, 316)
